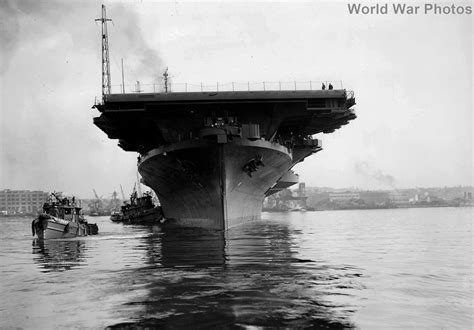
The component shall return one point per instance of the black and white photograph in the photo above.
(236, 164)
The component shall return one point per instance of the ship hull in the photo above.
(193, 147)
(204, 184)
(147, 216)
(58, 228)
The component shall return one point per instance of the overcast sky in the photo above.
(412, 77)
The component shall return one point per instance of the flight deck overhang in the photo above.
(156, 119)
(314, 100)
(246, 96)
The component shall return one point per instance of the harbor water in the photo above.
(400, 268)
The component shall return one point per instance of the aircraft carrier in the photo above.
(212, 157)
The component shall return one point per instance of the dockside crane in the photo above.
(96, 205)
(123, 195)
(114, 204)
(96, 196)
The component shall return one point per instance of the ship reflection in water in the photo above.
(247, 277)
(58, 255)
(407, 268)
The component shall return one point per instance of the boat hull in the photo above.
(57, 228)
(204, 183)
(148, 216)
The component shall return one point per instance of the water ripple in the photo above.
(390, 268)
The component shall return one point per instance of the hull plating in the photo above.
(62, 229)
(203, 184)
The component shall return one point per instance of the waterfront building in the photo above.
(21, 201)
(375, 198)
(398, 197)
(344, 196)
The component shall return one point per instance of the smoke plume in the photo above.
(50, 52)
(127, 40)
(364, 169)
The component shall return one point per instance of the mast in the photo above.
(105, 54)
(123, 80)
(165, 78)
(123, 195)
(138, 186)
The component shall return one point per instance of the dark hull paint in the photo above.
(203, 184)
(149, 216)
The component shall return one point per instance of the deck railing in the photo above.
(224, 87)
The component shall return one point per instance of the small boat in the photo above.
(115, 216)
(61, 218)
(297, 209)
(140, 210)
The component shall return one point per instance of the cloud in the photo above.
(126, 36)
(50, 51)
(9, 28)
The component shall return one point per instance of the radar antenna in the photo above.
(105, 54)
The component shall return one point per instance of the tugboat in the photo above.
(140, 210)
(61, 218)
(115, 216)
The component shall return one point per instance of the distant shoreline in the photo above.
(367, 208)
